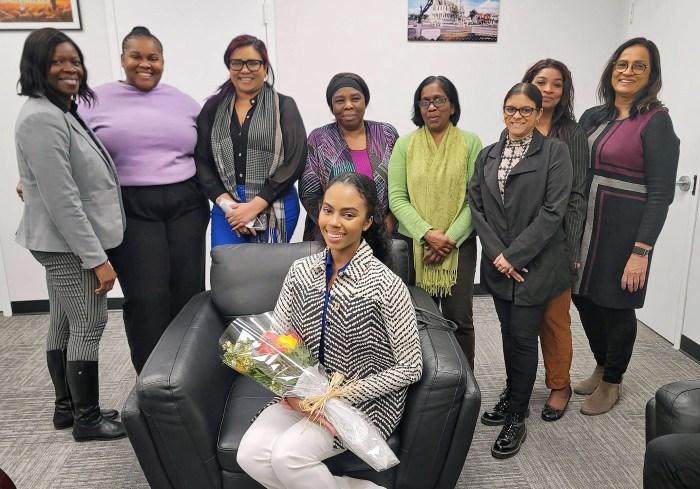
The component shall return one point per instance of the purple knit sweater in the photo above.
(150, 135)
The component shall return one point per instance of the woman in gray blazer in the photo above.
(72, 214)
(518, 197)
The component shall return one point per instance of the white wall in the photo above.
(314, 40)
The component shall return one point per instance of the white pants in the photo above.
(283, 450)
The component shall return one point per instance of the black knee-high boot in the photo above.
(89, 423)
(63, 411)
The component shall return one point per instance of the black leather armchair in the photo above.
(674, 409)
(188, 411)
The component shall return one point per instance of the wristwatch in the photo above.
(638, 250)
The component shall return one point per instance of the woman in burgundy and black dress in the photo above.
(634, 156)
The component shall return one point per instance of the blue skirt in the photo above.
(221, 232)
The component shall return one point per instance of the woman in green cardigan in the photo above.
(429, 171)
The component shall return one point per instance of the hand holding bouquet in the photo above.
(257, 346)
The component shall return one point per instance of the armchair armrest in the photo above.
(182, 392)
(441, 408)
(676, 409)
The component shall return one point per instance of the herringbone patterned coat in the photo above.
(371, 329)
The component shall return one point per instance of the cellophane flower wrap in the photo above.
(259, 347)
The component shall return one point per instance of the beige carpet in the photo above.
(576, 452)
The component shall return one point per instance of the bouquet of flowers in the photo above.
(259, 347)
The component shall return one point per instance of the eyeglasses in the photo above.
(437, 102)
(524, 111)
(637, 68)
(251, 64)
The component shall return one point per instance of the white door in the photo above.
(690, 333)
(665, 302)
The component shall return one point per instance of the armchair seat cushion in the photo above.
(246, 399)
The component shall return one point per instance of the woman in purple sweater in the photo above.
(150, 131)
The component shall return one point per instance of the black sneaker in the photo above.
(511, 437)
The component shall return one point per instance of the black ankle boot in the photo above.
(497, 415)
(89, 424)
(63, 411)
(511, 437)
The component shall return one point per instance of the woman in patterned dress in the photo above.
(518, 197)
(357, 318)
(634, 157)
(351, 143)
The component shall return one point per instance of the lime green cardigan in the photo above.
(411, 224)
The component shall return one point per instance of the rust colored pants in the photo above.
(555, 340)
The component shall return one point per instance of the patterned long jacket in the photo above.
(371, 329)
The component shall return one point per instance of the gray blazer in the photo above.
(72, 201)
(527, 228)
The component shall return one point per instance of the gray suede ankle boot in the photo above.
(586, 387)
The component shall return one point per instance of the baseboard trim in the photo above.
(480, 290)
(690, 348)
(116, 303)
(42, 306)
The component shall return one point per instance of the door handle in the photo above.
(686, 182)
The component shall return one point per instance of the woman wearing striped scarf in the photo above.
(251, 149)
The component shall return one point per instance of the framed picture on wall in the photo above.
(35, 14)
(453, 20)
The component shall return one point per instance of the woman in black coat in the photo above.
(518, 197)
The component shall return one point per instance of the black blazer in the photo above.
(527, 228)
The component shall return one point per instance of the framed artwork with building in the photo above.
(35, 14)
(453, 20)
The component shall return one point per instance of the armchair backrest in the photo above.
(247, 278)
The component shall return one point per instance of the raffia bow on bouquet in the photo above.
(259, 347)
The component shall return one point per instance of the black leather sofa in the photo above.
(674, 409)
(188, 411)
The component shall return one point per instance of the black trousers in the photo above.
(160, 264)
(458, 306)
(673, 462)
(611, 334)
(520, 327)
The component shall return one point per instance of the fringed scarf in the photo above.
(264, 155)
(437, 186)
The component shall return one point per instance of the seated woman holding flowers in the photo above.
(356, 317)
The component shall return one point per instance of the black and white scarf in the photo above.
(264, 155)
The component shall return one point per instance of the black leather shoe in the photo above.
(552, 414)
(63, 420)
(497, 415)
(511, 437)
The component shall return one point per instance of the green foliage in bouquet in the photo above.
(275, 360)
